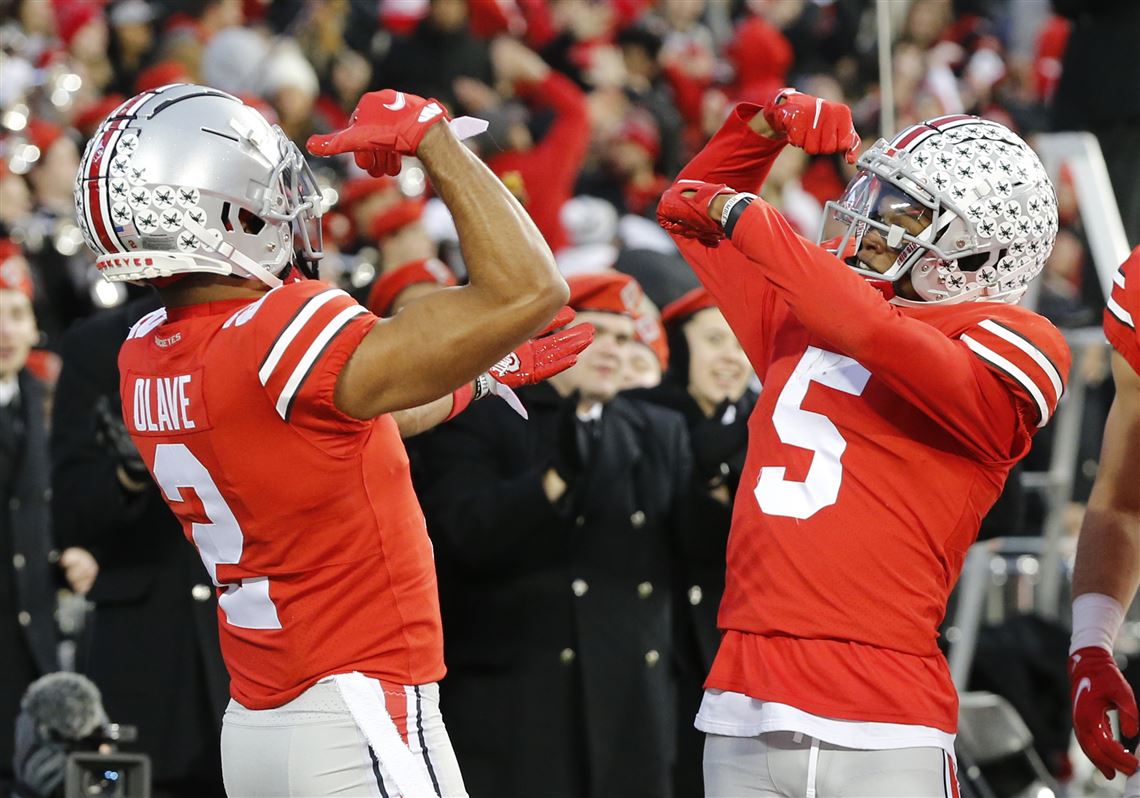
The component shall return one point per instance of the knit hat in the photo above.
(162, 74)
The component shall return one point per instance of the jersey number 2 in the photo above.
(220, 541)
(813, 431)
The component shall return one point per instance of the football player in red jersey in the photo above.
(269, 409)
(901, 383)
(1107, 570)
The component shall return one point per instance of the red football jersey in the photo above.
(1123, 309)
(305, 517)
(882, 436)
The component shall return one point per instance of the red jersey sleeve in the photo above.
(1027, 353)
(989, 401)
(737, 157)
(1123, 309)
(304, 333)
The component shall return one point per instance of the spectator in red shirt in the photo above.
(544, 170)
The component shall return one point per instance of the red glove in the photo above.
(1098, 686)
(547, 354)
(684, 210)
(815, 125)
(385, 125)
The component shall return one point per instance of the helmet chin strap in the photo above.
(212, 240)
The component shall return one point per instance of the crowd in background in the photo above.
(593, 106)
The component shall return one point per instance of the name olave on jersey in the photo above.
(165, 404)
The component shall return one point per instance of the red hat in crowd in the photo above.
(650, 332)
(389, 219)
(162, 74)
(358, 188)
(487, 18)
(14, 274)
(640, 128)
(72, 15)
(396, 217)
(689, 303)
(42, 134)
(44, 365)
(389, 285)
(89, 119)
(400, 17)
(606, 292)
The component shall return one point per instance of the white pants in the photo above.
(791, 765)
(319, 744)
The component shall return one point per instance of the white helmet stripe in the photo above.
(95, 170)
(104, 165)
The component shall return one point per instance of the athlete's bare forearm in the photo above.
(441, 341)
(1108, 553)
(419, 419)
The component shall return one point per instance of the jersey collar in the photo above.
(226, 306)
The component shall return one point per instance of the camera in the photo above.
(66, 748)
(106, 771)
(116, 775)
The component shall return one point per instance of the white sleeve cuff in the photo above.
(1096, 620)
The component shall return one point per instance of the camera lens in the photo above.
(103, 783)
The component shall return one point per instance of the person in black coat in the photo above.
(151, 645)
(440, 49)
(553, 541)
(28, 576)
(708, 383)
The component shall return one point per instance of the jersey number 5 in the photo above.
(246, 603)
(813, 431)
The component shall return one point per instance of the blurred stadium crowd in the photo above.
(593, 107)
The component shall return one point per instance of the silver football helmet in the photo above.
(963, 203)
(187, 178)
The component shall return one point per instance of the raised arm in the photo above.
(740, 158)
(947, 378)
(1108, 554)
(446, 339)
(1104, 584)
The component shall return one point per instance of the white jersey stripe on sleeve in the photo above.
(1118, 277)
(312, 353)
(156, 318)
(292, 329)
(1122, 315)
(987, 354)
(1028, 348)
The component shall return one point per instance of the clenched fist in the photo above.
(815, 125)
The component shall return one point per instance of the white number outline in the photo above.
(795, 426)
(246, 604)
